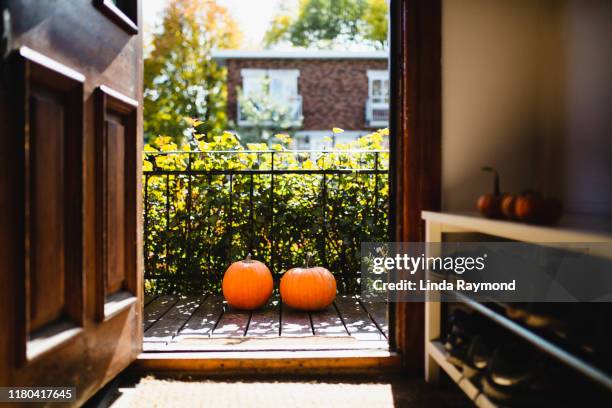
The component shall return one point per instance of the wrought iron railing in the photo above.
(204, 210)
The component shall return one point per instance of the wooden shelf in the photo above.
(436, 350)
(547, 346)
(570, 230)
(586, 230)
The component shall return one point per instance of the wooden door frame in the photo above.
(415, 185)
(415, 149)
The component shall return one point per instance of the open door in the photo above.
(70, 236)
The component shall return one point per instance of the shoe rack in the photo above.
(570, 364)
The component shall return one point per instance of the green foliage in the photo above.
(376, 20)
(196, 224)
(324, 23)
(180, 78)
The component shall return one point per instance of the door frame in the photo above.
(415, 185)
(415, 179)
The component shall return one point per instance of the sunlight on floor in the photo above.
(163, 393)
(152, 392)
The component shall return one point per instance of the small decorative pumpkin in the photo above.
(532, 208)
(528, 207)
(508, 206)
(247, 284)
(489, 205)
(308, 288)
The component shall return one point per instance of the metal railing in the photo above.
(202, 211)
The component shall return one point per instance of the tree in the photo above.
(376, 20)
(180, 78)
(324, 23)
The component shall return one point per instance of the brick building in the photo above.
(321, 89)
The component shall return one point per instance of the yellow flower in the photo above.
(385, 132)
(192, 121)
(162, 140)
(337, 130)
(283, 137)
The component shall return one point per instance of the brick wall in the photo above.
(334, 91)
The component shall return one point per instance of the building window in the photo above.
(377, 106)
(271, 92)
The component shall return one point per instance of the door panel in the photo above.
(47, 278)
(48, 273)
(115, 191)
(118, 178)
(70, 242)
(50, 296)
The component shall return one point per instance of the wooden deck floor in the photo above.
(206, 323)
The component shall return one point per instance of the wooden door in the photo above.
(70, 216)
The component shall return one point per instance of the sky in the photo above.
(253, 16)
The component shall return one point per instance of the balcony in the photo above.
(288, 113)
(205, 210)
(377, 114)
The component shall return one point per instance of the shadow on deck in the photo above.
(207, 323)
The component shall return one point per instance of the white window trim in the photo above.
(257, 73)
(249, 73)
(376, 75)
(372, 76)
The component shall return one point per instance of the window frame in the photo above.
(262, 73)
(371, 103)
(378, 75)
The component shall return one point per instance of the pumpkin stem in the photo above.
(308, 256)
(248, 259)
(496, 188)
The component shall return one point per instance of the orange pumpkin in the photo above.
(247, 284)
(532, 208)
(307, 288)
(508, 206)
(489, 205)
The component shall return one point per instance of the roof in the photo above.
(302, 54)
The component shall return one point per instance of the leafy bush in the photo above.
(210, 203)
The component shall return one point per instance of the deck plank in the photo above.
(294, 323)
(233, 323)
(148, 299)
(265, 322)
(157, 308)
(171, 322)
(204, 319)
(378, 312)
(357, 321)
(328, 323)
